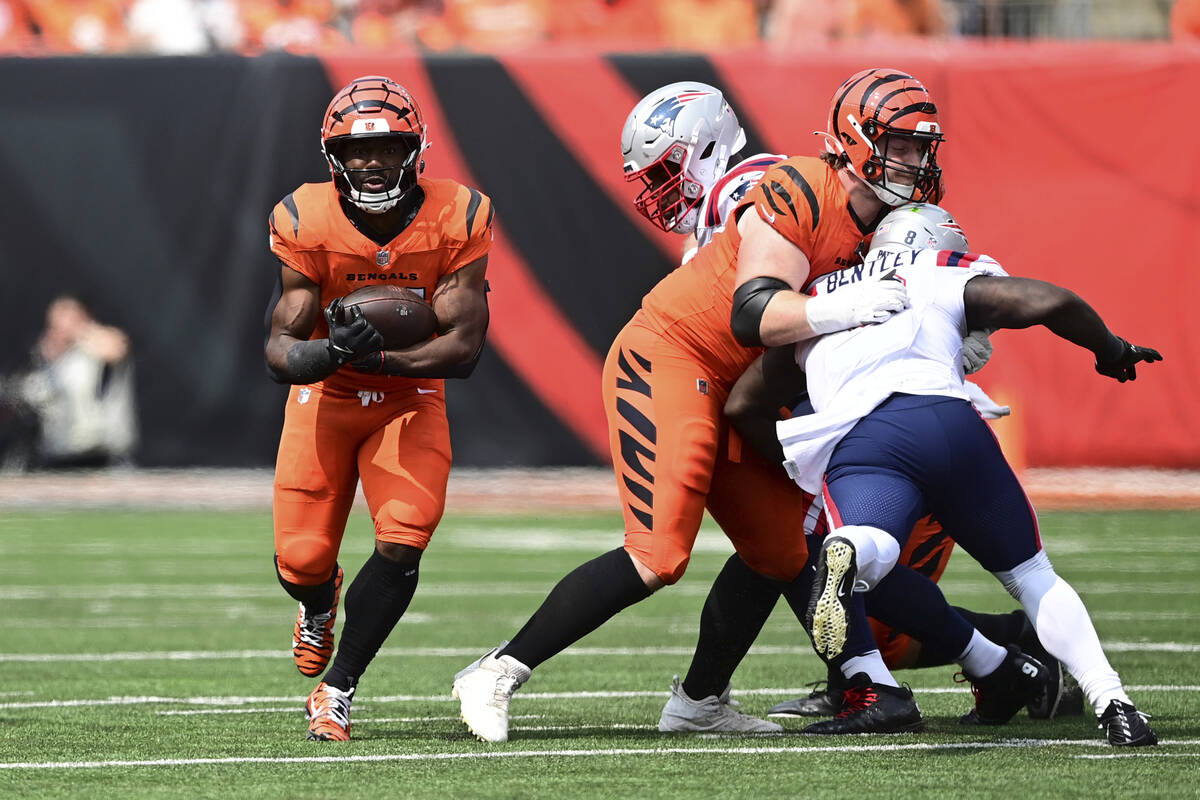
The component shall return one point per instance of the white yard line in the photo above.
(591, 753)
(469, 652)
(1132, 754)
(225, 702)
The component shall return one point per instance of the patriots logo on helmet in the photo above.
(664, 114)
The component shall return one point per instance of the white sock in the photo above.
(875, 553)
(1064, 628)
(982, 656)
(870, 662)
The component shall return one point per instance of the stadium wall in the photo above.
(143, 184)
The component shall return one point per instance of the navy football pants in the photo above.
(916, 455)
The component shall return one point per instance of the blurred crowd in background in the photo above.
(174, 27)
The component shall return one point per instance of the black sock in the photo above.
(375, 601)
(317, 599)
(738, 605)
(797, 592)
(911, 603)
(1000, 628)
(582, 601)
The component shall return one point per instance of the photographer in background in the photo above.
(79, 395)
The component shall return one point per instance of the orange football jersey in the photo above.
(311, 234)
(803, 199)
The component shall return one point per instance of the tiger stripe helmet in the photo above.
(374, 106)
(867, 109)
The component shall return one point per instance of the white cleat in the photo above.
(483, 690)
(713, 714)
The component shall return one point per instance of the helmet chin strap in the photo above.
(374, 202)
(884, 191)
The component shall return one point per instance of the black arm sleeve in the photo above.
(308, 362)
(749, 302)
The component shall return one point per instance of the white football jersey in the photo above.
(726, 193)
(916, 351)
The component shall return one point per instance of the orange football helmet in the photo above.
(374, 106)
(869, 109)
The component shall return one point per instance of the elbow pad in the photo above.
(749, 301)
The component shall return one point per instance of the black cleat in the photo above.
(825, 700)
(826, 617)
(1126, 726)
(1000, 695)
(868, 708)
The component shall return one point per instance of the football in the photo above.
(401, 316)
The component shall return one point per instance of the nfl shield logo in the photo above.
(382, 258)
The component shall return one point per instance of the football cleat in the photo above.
(483, 690)
(872, 708)
(826, 617)
(825, 700)
(328, 713)
(312, 637)
(1126, 726)
(1002, 693)
(713, 714)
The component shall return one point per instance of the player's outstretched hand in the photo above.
(857, 304)
(351, 336)
(1122, 366)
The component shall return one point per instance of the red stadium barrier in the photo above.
(1067, 162)
(1071, 162)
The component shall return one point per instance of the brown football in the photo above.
(400, 315)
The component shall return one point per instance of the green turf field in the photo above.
(146, 655)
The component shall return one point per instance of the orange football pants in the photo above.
(673, 455)
(396, 442)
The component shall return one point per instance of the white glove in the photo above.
(977, 351)
(854, 305)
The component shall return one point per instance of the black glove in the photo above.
(1121, 357)
(371, 363)
(350, 340)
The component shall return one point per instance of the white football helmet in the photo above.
(677, 141)
(918, 226)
